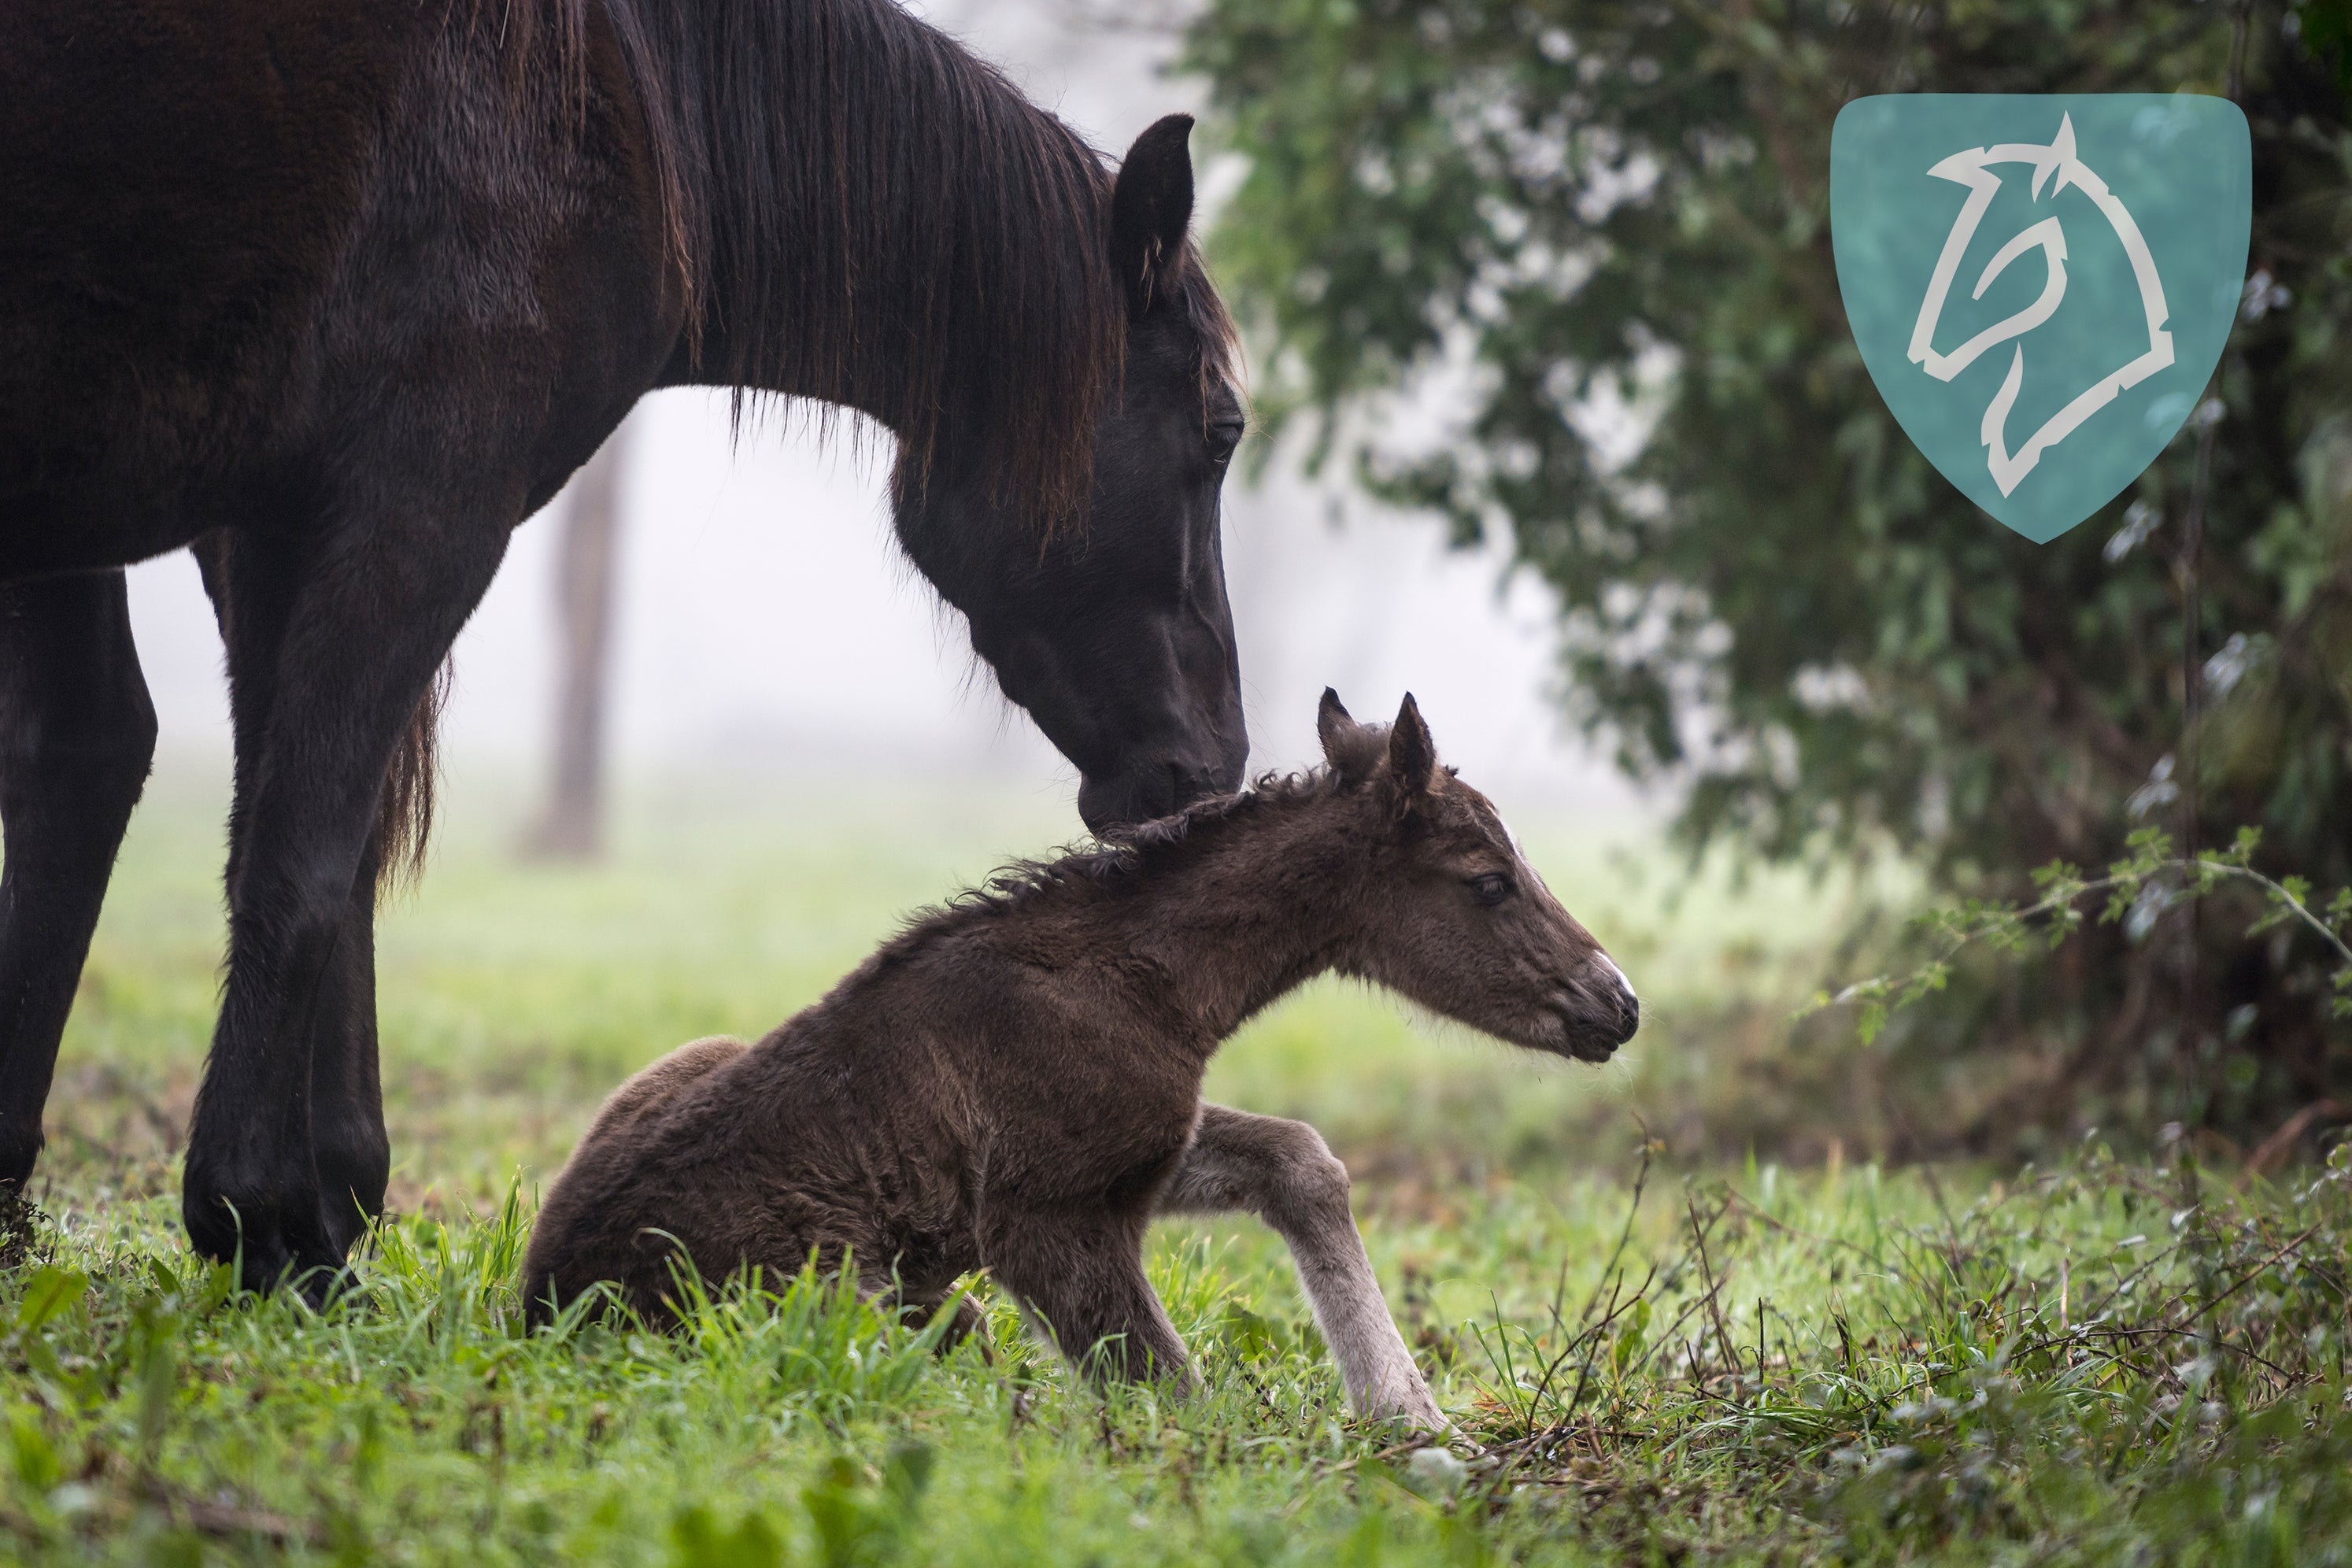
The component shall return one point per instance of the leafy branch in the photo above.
(2137, 888)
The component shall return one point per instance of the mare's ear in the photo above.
(1150, 211)
(1350, 749)
(1413, 755)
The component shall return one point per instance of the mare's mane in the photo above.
(865, 213)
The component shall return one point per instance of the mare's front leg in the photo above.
(252, 593)
(1283, 1173)
(1081, 1281)
(352, 619)
(77, 734)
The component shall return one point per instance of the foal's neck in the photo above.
(1257, 907)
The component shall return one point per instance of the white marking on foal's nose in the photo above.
(1518, 850)
(1622, 984)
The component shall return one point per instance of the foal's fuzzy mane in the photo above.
(1119, 861)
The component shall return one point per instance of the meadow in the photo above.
(1658, 1345)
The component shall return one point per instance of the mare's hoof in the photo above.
(20, 1150)
(329, 1284)
(274, 1237)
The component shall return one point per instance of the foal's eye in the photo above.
(1491, 889)
(1223, 436)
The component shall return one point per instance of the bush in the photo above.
(1775, 602)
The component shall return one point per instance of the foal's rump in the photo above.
(655, 1086)
(569, 1245)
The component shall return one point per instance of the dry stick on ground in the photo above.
(2090, 1333)
(1589, 1340)
(2084, 1336)
(1593, 1338)
(1729, 1351)
(1587, 1329)
(1589, 1333)
(1706, 1299)
(1668, 1341)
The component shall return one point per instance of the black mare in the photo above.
(338, 291)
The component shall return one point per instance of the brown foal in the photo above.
(1014, 1083)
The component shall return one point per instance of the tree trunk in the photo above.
(572, 829)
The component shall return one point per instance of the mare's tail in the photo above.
(403, 813)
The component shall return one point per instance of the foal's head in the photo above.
(1452, 915)
(1113, 631)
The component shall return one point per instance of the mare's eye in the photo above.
(1491, 889)
(1223, 436)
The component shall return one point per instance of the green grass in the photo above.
(2101, 1362)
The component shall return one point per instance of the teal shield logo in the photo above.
(2041, 286)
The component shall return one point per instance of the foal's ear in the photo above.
(1151, 210)
(1333, 725)
(1413, 755)
(1351, 749)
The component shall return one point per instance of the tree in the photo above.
(1775, 600)
(572, 827)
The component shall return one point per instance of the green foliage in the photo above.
(2125, 1362)
(2113, 1362)
(2325, 26)
(2138, 888)
(1559, 218)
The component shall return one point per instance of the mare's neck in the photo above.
(1260, 905)
(879, 221)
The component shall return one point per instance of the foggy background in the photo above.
(766, 620)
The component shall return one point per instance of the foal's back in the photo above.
(864, 1126)
(1014, 1082)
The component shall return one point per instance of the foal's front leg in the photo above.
(1283, 1173)
(1080, 1280)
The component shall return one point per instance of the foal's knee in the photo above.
(1310, 1184)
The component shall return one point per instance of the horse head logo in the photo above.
(2123, 333)
(2057, 166)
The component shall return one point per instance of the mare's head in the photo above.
(1111, 626)
(1452, 915)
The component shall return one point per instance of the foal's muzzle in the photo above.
(1602, 1013)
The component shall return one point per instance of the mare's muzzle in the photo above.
(1152, 788)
